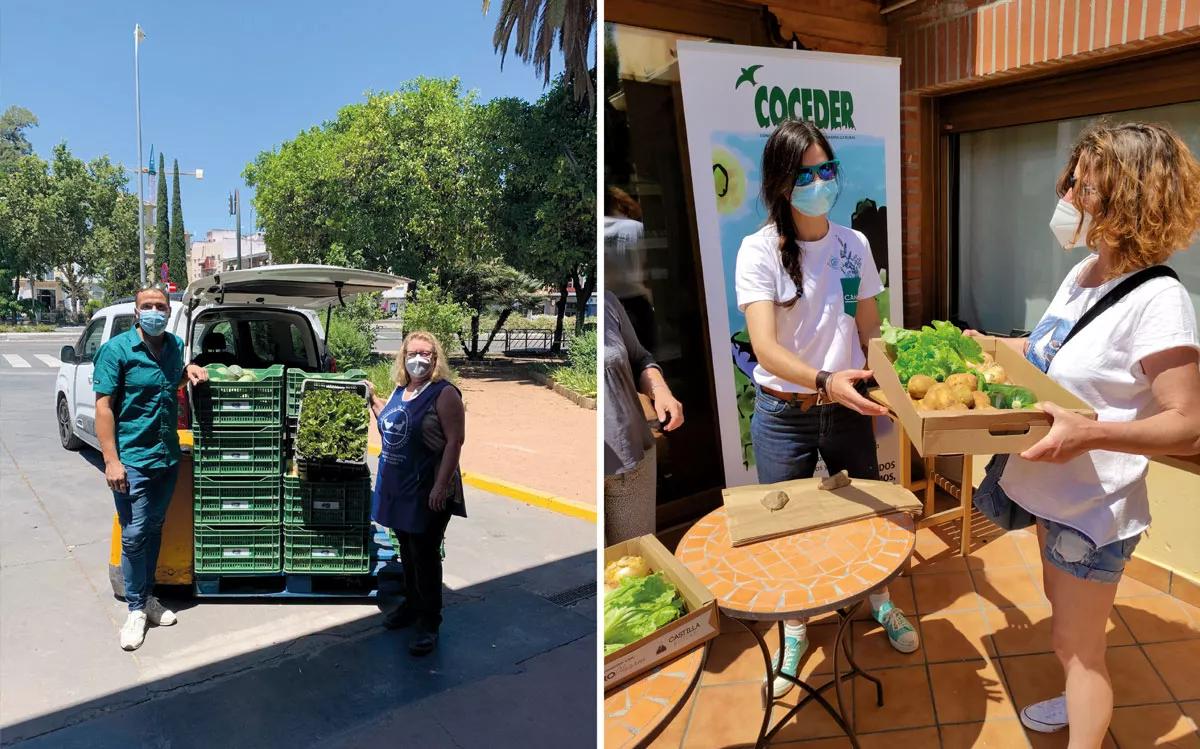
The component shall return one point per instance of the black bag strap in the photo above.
(1117, 293)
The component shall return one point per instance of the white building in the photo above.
(218, 251)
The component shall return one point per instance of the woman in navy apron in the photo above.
(417, 489)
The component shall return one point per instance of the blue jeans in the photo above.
(788, 440)
(141, 512)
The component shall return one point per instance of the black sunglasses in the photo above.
(826, 171)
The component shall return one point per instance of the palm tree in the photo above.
(536, 24)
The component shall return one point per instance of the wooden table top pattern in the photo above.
(635, 710)
(802, 574)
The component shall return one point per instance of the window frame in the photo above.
(1139, 83)
(81, 354)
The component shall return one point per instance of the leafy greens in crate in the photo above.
(332, 425)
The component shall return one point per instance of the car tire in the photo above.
(66, 433)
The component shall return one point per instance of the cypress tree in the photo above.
(178, 254)
(162, 235)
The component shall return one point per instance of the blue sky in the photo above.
(222, 80)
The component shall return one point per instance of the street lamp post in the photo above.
(138, 36)
(235, 209)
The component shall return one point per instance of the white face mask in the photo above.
(418, 365)
(1064, 224)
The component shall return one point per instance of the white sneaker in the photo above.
(133, 633)
(158, 614)
(1047, 716)
(793, 650)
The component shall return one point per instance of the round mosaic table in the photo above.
(635, 713)
(800, 576)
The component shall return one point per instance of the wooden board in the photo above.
(810, 507)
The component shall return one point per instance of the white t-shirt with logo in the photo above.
(838, 272)
(1102, 494)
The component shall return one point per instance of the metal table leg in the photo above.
(840, 646)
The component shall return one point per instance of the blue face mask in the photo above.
(816, 199)
(152, 322)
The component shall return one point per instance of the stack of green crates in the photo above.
(327, 525)
(238, 459)
(326, 517)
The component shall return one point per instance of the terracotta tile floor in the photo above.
(985, 652)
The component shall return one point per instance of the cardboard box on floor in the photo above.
(699, 623)
(984, 432)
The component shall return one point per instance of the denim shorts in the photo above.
(1074, 553)
(1066, 548)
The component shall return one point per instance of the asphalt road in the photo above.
(256, 673)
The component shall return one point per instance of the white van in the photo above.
(254, 318)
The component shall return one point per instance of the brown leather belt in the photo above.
(804, 401)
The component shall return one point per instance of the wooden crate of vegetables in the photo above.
(957, 395)
(655, 610)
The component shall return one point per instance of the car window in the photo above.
(273, 339)
(121, 323)
(260, 340)
(201, 341)
(89, 342)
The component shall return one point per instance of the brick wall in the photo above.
(954, 45)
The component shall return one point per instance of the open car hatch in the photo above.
(302, 286)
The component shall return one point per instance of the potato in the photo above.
(966, 378)
(988, 360)
(918, 386)
(961, 394)
(957, 407)
(939, 396)
(981, 401)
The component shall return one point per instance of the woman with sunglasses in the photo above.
(806, 286)
(418, 487)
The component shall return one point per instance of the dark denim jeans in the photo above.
(141, 512)
(788, 440)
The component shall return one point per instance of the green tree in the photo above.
(26, 219)
(13, 143)
(547, 214)
(435, 311)
(162, 234)
(532, 26)
(72, 217)
(392, 183)
(484, 285)
(177, 257)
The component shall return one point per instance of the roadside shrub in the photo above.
(580, 373)
(92, 307)
(349, 344)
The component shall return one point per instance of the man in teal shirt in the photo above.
(136, 377)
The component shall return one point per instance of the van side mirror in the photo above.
(67, 354)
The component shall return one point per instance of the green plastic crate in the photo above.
(256, 452)
(295, 380)
(240, 404)
(246, 550)
(335, 551)
(326, 502)
(234, 500)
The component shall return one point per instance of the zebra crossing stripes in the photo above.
(49, 361)
(15, 360)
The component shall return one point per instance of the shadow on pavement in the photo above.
(513, 668)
